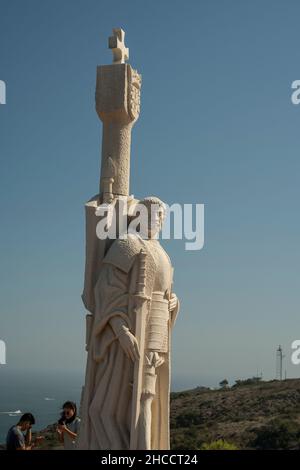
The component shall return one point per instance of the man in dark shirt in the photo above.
(16, 440)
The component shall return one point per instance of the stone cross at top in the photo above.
(117, 44)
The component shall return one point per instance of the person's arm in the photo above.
(73, 435)
(24, 447)
(20, 442)
(28, 437)
(60, 433)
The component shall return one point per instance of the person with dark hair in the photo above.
(16, 440)
(68, 425)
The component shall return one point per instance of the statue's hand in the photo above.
(129, 344)
(173, 302)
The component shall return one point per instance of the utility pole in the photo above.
(279, 361)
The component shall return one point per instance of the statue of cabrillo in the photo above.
(128, 291)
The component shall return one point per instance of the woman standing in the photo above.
(68, 425)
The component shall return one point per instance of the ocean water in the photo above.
(39, 393)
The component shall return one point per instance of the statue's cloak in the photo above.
(107, 396)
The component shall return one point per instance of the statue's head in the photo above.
(152, 211)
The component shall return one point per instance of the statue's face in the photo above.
(151, 220)
(155, 220)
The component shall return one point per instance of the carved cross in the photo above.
(117, 44)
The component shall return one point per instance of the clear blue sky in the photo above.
(217, 126)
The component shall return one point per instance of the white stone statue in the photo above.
(126, 399)
(127, 290)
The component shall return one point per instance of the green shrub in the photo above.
(220, 444)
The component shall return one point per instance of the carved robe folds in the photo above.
(107, 398)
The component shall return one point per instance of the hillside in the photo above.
(262, 415)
